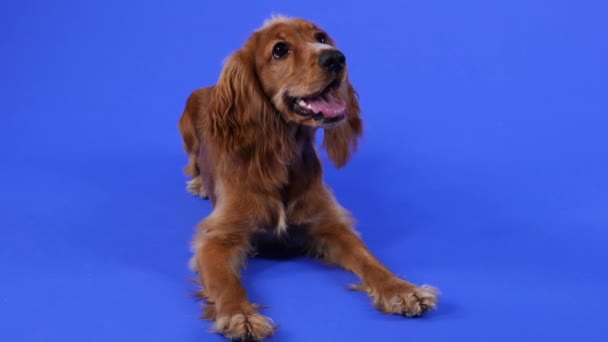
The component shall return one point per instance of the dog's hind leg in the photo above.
(195, 185)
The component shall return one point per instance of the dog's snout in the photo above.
(332, 60)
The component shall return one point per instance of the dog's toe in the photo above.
(414, 302)
(403, 298)
(242, 327)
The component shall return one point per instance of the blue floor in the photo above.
(484, 170)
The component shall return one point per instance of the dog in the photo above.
(250, 146)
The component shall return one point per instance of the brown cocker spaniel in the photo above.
(250, 142)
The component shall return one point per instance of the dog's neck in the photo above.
(301, 134)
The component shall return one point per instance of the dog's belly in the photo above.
(291, 243)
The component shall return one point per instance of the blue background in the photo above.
(483, 170)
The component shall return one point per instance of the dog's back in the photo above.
(190, 126)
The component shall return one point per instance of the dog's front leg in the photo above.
(220, 252)
(335, 241)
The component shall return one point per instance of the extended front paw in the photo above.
(402, 298)
(410, 300)
(244, 327)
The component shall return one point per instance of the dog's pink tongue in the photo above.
(327, 104)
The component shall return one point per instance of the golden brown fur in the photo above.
(251, 152)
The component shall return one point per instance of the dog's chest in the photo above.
(304, 173)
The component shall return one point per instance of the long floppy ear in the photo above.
(243, 123)
(341, 141)
(236, 104)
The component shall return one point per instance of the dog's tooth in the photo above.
(302, 103)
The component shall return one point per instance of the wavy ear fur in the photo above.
(237, 103)
(341, 141)
(244, 124)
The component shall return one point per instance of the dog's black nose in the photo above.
(332, 60)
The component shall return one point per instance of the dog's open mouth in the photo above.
(322, 107)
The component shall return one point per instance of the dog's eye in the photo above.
(321, 38)
(280, 50)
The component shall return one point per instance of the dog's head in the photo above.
(292, 68)
(303, 73)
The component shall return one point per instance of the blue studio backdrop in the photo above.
(483, 170)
